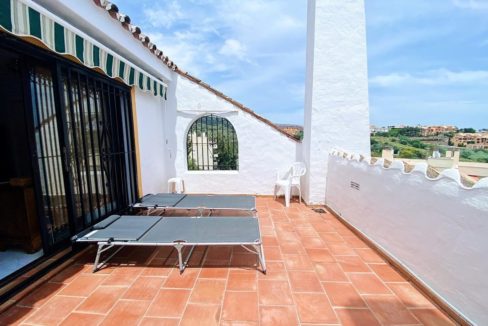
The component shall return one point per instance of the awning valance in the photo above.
(19, 19)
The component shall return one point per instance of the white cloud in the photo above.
(164, 16)
(431, 78)
(471, 4)
(233, 48)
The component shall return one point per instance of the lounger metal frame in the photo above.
(178, 245)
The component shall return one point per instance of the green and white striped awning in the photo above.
(19, 19)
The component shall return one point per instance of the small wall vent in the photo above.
(355, 185)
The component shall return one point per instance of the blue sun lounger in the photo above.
(178, 232)
(200, 203)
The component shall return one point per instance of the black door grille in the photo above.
(99, 147)
(84, 148)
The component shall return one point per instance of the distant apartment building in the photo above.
(471, 140)
(202, 152)
(426, 131)
(374, 129)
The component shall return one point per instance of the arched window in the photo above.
(211, 144)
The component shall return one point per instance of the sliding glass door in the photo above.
(83, 148)
(100, 151)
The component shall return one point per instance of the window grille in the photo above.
(212, 145)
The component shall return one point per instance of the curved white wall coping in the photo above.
(422, 168)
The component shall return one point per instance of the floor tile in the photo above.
(248, 261)
(389, 310)
(320, 255)
(369, 256)
(155, 321)
(240, 306)
(169, 303)
(356, 317)
(83, 285)
(239, 281)
(198, 314)
(144, 288)
(409, 295)
(185, 280)
(275, 271)
(343, 295)
(432, 317)
(304, 282)
(126, 312)
(331, 272)
(368, 283)
(330, 237)
(386, 272)
(352, 264)
(355, 242)
(278, 316)
(313, 242)
(297, 262)
(208, 291)
(102, 299)
(273, 253)
(54, 311)
(341, 249)
(274, 292)
(82, 319)
(238, 323)
(217, 271)
(122, 276)
(157, 267)
(314, 308)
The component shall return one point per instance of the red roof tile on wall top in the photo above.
(136, 31)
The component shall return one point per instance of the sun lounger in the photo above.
(198, 202)
(178, 232)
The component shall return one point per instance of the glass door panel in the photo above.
(48, 155)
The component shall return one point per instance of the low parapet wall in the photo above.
(436, 228)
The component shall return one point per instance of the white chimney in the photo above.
(336, 89)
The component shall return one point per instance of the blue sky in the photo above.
(428, 60)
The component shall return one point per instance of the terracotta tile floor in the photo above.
(318, 273)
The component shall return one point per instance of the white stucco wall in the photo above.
(151, 136)
(435, 228)
(336, 92)
(262, 149)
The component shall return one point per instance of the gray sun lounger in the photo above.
(198, 202)
(177, 232)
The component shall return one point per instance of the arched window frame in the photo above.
(222, 137)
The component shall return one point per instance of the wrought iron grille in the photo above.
(212, 145)
(99, 152)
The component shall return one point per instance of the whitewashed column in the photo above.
(336, 91)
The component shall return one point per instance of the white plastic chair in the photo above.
(290, 180)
